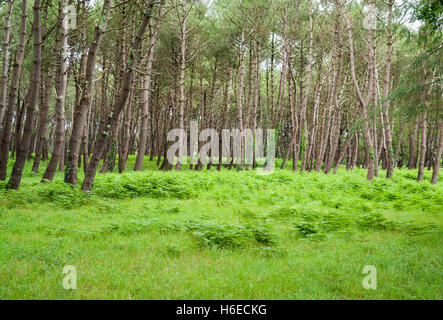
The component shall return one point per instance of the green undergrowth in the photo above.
(228, 234)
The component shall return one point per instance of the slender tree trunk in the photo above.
(112, 121)
(19, 126)
(335, 134)
(325, 128)
(303, 121)
(81, 110)
(124, 146)
(60, 86)
(145, 99)
(314, 121)
(342, 154)
(240, 91)
(399, 142)
(182, 98)
(13, 88)
(211, 110)
(45, 94)
(256, 94)
(421, 163)
(413, 147)
(42, 123)
(363, 102)
(385, 115)
(227, 103)
(17, 170)
(356, 149)
(5, 64)
(437, 159)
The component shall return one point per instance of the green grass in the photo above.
(223, 235)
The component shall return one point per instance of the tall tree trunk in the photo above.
(256, 94)
(42, 122)
(153, 31)
(399, 142)
(126, 134)
(240, 90)
(5, 142)
(437, 159)
(19, 125)
(81, 110)
(5, 64)
(413, 147)
(421, 163)
(335, 134)
(112, 121)
(385, 114)
(314, 121)
(60, 87)
(17, 170)
(369, 147)
(303, 121)
(342, 153)
(182, 98)
(45, 94)
(325, 129)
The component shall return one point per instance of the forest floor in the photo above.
(223, 235)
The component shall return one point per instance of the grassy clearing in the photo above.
(223, 235)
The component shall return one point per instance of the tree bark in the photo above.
(5, 64)
(421, 163)
(335, 134)
(363, 101)
(60, 87)
(303, 121)
(182, 99)
(385, 114)
(13, 88)
(112, 121)
(81, 110)
(437, 159)
(413, 147)
(145, 98)
(17, 170)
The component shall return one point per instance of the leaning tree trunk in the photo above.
(5, 142)
(342, 153)
(82, 109)
(17, 170)
(112, 121)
